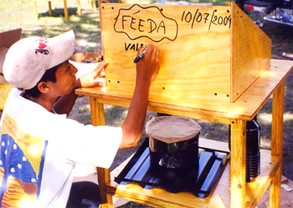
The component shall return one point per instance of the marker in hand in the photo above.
(140, 56)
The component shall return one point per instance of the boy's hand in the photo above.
(94, 78)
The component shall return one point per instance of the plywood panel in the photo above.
(251, 52)
(208, 53)
(194, 45)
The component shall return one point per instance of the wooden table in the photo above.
(232, 189)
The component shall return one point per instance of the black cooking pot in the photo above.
(173, 144)
(174, 155)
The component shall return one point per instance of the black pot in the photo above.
(182, 154)
(173, 144)
(176, 164)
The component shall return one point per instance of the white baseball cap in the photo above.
(28, 59)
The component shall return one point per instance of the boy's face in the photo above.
(65, 76)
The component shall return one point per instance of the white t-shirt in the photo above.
(39, 151)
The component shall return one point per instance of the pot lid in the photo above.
(170, 129)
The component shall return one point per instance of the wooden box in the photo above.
(207, 52)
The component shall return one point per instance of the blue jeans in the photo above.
(84, 195)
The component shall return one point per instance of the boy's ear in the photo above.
(43, 87)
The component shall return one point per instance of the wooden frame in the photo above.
(232, 189)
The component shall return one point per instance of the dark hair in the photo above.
(50, 75)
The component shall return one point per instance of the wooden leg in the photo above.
(66, 15)
(79, 12)
(277, 143)
(97, 112)
(98, 118)
(94, 5)
(50, 8)
(238, 165)
(103, 179)
(35, 8)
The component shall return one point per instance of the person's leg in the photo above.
(84, 195)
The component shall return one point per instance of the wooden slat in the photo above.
(160, 198)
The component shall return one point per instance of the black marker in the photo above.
(140, 56)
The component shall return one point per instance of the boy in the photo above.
(40, 147)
